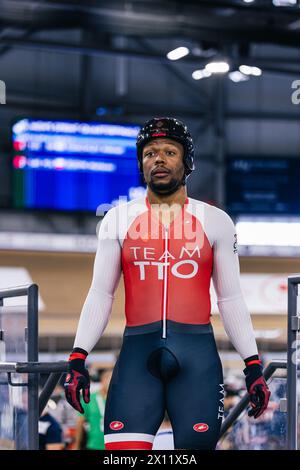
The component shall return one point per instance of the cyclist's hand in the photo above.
(257, 388)
(77, 379)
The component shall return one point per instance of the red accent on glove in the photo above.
(77, 356)
(255, 361)
(259, 397)
(77, 380)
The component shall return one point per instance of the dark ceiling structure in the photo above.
(66, 82)
(228, 27)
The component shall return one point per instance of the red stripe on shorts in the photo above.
(123, 445)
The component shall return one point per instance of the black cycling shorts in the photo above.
(181, 374)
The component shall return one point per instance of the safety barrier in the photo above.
(243, 403)
(291, 364)
(31, 366)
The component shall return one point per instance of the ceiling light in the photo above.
(284, 3)
(198, 74)
(247, 70)
(237, 76)
(256, 71)
(217, 67)
(178, 53)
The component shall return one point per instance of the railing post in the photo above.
(293, 328)
(33, 379)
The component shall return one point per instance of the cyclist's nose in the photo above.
(159, 157)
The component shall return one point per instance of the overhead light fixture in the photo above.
(237, 76)
(201, 73)
(284, 3)
(248, 1)
(256, 71)
(217, 67)
(248, 70)
(245, 69)
(178, 53)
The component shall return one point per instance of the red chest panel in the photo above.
(167, 271)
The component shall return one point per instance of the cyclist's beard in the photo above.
(166, 189)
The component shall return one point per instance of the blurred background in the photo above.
(78, 79)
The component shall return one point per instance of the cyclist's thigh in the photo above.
(195, 396)
(135, 402)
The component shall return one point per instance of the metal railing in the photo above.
(32, 366)
(243, 403)
(292, 361)
(290, 365)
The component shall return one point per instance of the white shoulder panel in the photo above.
(126, 214)
(207, 215)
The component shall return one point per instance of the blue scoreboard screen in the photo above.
(74, 166)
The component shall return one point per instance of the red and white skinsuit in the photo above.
(167, 272)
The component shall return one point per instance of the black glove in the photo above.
(77, 379)
(256, 386)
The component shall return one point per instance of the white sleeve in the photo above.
(106, 275)
(226, 278)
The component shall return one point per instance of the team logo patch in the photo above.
(116, 425)
(201, 427)
(235, 250)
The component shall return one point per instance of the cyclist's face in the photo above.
(163, 163)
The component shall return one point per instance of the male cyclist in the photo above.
(168, 247)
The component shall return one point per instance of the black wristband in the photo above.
(252, 373)
(255, 357)
(79, 350)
